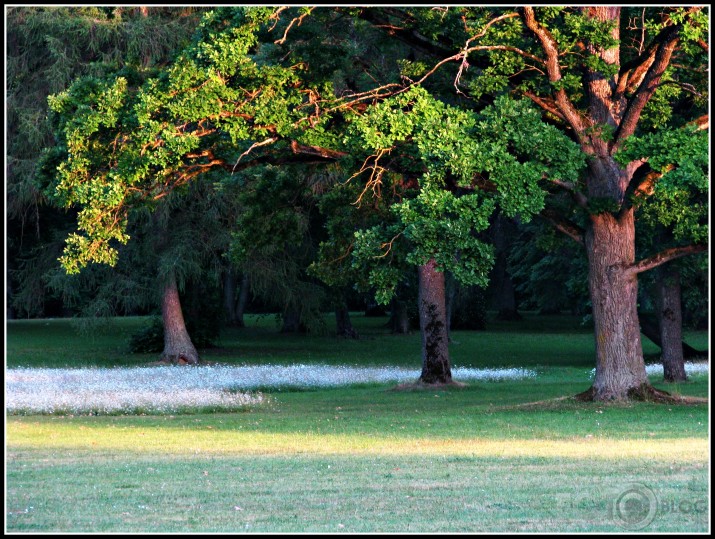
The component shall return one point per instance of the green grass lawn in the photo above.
(493, 456)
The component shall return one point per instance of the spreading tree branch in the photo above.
(561, 224)
(549, 46)
(642, 184)
(646, 89)
(665, 256)
(577, 195)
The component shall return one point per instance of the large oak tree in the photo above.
(269, 85)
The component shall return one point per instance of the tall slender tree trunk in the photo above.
(436, 368)
(670, 319)
(178, 347)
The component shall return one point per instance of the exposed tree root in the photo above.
(419, 385)
(178, 359)
(644, 393)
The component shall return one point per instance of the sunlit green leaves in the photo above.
(680, 197)
(507, 146)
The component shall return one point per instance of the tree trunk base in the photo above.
(644, 393)
(420, 385)
(350, 333)
(180, 359)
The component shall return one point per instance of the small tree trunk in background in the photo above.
(230, 284)
(671, 324)
(399, 318)
(433, 325)
(178, 347)
(504, 293)
(242, 301)
(234, 307)
(292, 322)
(650, 327)
(344, 325)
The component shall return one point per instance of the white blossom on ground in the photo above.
(657, 369)
(170, 389)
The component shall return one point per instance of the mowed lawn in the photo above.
(500, 456)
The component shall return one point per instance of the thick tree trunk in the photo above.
(178, 347)
(433, 325)
(671, 324)
(620, 369)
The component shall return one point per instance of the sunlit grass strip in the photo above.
(210, 441)
(168, 389)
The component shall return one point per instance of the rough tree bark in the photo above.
(178, 347)
(620, 369)
(436, 368)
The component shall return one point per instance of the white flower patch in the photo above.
(113, 391)
(690, 369)
(169, 389)
(657, 369)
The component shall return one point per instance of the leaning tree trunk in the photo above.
(433, 325)
(178, 347)
(671, 324)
